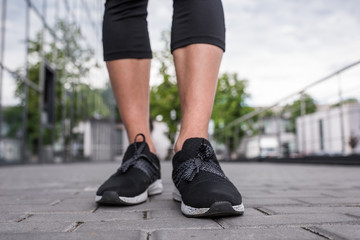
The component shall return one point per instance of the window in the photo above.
(321, 134)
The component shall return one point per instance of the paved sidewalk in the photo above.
(282, 201)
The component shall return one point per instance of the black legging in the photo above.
(125, 33)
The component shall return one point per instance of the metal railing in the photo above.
(327, 130)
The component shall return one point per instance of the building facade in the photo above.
(330, 131)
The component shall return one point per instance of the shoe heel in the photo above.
(176, 195)
(155, 188)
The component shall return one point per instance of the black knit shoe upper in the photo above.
(199, 178)
(139, 169)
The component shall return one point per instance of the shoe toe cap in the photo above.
(203, 195)
(124, 186)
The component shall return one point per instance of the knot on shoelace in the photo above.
(203, 161)
(194, 164)
(137, 155)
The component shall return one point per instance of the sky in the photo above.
(278, 46)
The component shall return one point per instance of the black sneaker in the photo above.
(201, 185)
(136, 179)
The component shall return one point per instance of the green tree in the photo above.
(12, 121)
(293, 111)
(164, 98)
(230, 104)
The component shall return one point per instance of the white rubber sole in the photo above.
(112, 198)
(217, 209)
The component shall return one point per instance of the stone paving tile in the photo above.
(27, 226)
(54, 206)
(170, 214)
(150, 225)
(245, 234)
(274, 220)
(313, 209)
(10, 217)
(249, 211)
(297, 193)
(165, 204)
(84, 193)
(255, 202)
(165, 196)
(337, 231)
(123, 235)
(75, 204)
(254, 193)
(351, 192)
(10, 200)
(37, 196)
(88, 216)
(329, 200)
(24, 208)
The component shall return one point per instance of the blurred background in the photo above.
(289, 87)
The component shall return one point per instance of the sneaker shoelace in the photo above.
(147, 166)
(204, 161)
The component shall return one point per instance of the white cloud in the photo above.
(281, 46)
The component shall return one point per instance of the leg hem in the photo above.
(198, 39)
(127, 55)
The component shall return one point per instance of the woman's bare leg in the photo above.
(130, 83)
(197, 68)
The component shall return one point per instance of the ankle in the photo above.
(151, 147)
(178, 145)
(182, 138)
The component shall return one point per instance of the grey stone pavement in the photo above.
(282, 201)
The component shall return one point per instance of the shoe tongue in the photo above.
(192, 145)
(131, 149)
